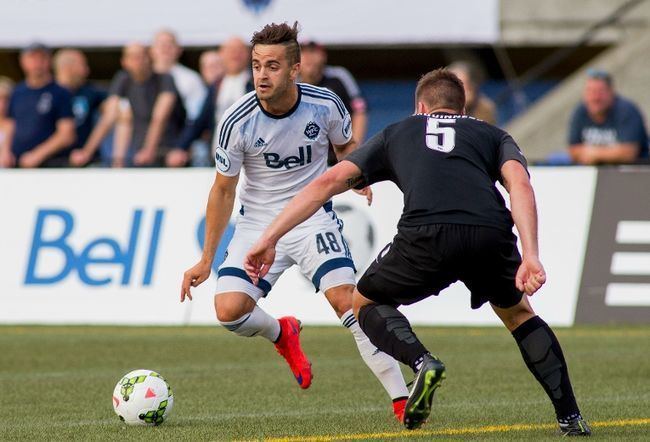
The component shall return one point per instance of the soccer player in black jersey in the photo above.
(455, 226)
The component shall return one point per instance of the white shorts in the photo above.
(317, 246)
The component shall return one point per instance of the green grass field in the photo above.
(56, 384)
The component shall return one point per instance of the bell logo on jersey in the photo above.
(222, 160)
(312, 130)
(274, 161)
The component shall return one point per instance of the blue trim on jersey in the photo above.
(325, 92)
(232, 115)
(328, 206)
(228, 122)
(286, 114)
(328, 266)
(239, 273)
(231, 126)
(326, 95)
(313, 95)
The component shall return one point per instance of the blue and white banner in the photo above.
(85, 23)
(111, 246)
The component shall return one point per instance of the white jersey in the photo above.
(280, 154)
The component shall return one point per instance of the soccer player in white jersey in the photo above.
(279, 134)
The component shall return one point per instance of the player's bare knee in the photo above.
(359, 301)
(230, 307)
(340, 298)
(513, 317)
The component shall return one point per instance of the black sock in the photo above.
(391, 332)
(543, 356)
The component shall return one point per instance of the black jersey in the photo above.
(446, 166)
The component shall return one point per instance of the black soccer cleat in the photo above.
(418, 404)
(575, 427)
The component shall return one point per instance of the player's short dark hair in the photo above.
(441, 89)
(280, 34)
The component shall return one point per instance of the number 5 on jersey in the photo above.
(441, 138)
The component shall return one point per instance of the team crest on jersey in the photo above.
(222, 160)
(257, 6)
(312, 130)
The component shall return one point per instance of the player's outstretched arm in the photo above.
(531, 275)
(343, 151)
(217, 216)
(345, 175)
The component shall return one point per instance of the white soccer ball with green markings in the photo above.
(143, 397)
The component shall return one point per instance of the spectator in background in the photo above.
(211, 67)
(237, 79)
(227, 88)
(139, 106)
(6, 87)
(165, 53)
(71, 71)
(40, 124)
(476, 104)
(314, 70)
(606, 128)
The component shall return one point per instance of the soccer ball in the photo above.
(143, 397)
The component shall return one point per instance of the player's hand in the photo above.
(144, 157)
(530, 276)
(259, 260)
(194, 277)
(367, 192)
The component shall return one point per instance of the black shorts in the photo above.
(421, 261)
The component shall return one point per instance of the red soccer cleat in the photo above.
(289, 347)
(398, 409)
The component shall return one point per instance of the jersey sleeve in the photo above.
(340, 122)
(228, 147)
(63, 105)
(630, 127)
(167, 84)
(118, 84)
(371, 158)
(508, 150)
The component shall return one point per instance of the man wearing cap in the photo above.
(606, 128)
(41, 122)
(315, 71)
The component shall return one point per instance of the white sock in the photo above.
(384, 367)
(257, 322)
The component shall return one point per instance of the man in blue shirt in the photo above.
(41, 123)
(606, 128)
(71, 70)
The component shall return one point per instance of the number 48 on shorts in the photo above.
(327, 243)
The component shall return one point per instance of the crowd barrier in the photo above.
(110, 247)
